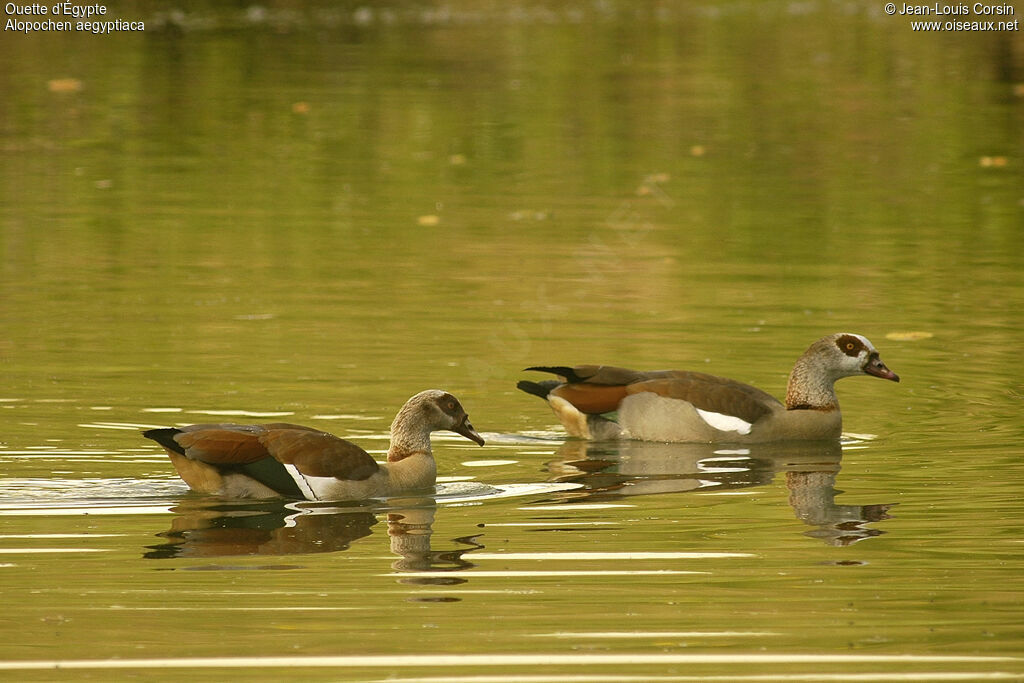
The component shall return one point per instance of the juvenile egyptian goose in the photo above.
(292, 461)
(678, 405)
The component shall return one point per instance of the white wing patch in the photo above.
(300, 481)
(725, 423)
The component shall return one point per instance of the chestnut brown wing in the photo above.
(236, 444)
(591, 389)
(711, 393)
(318, 454)
(222, 445)
(598, 389)
(604, 375)
(595, 374)
(611, 375)
(593, 399)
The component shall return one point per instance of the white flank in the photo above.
(725, 423)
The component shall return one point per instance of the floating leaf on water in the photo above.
(428, 220)
(992, 162)
(697, 151)
(909, 336)
(64, 85)
(300, 108)
(528, 214)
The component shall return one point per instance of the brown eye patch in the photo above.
(450, 404)
(850, 345)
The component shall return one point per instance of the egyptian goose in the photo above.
(292, 461)
(683, 406)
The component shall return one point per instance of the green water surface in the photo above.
(311, 211)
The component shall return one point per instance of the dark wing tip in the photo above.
(165, 437)
(541, 389)
(561, 370)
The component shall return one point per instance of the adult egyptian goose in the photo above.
(678, 405)
(292, 461)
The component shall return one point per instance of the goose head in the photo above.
(434, 410)
(852, 354)
(831, 358)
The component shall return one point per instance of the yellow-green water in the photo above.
(310, 212)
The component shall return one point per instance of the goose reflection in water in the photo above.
(611, 470)
(211, 528)
(410, 530)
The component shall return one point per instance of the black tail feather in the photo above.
(541, 389)
(165, 437)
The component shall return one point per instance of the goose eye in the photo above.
(849, 346)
